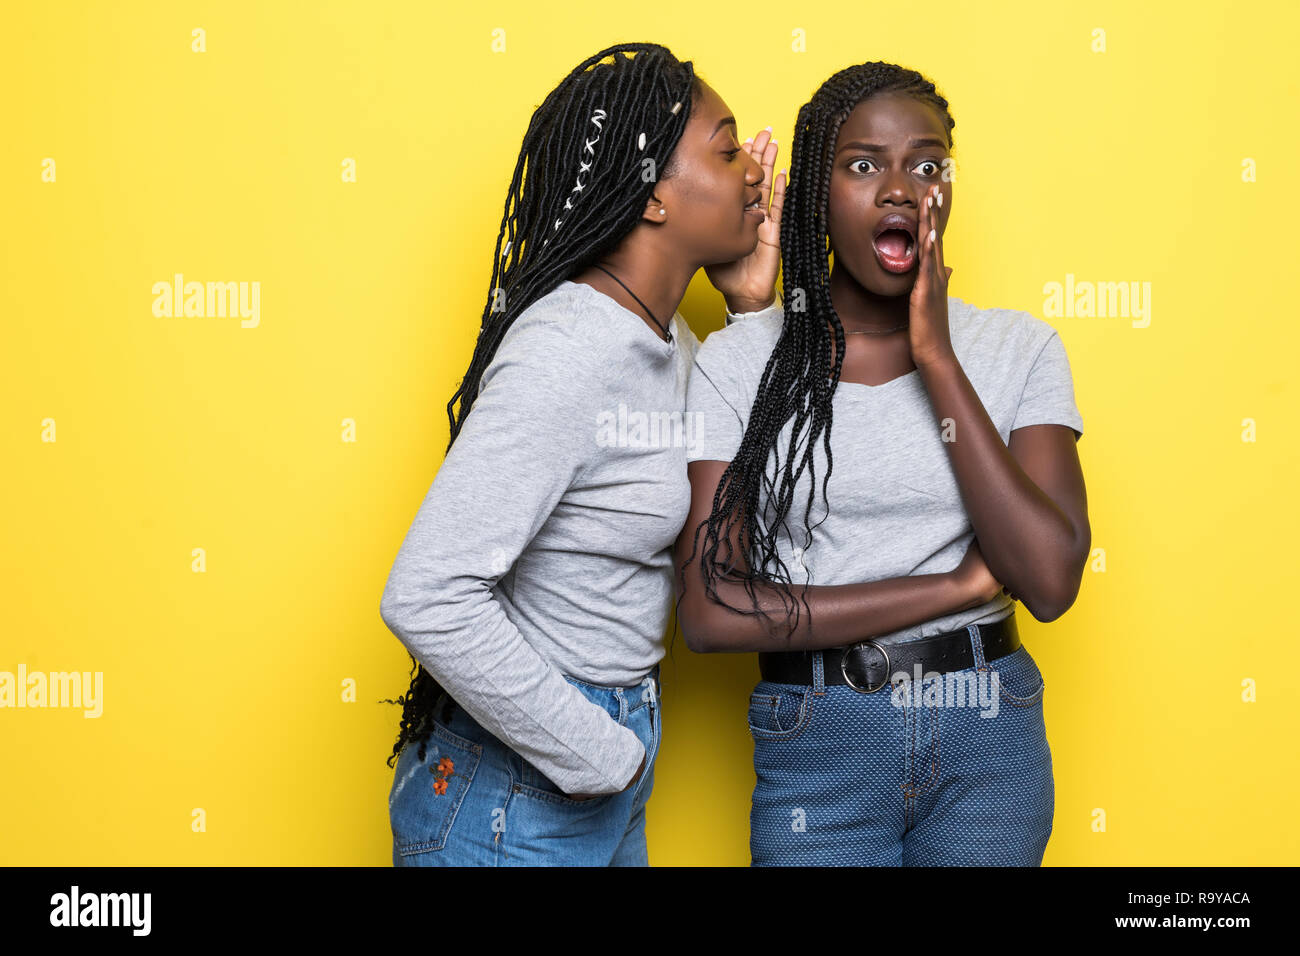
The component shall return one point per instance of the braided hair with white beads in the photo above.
(579, 187)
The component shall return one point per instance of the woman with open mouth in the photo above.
(534, 586)
(875, 567)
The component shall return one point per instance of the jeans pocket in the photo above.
(779, 711)
(531, 782)
(1019, 680)
(427, 793)
(652, 741)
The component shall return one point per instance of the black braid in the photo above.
(799, 380)
(610, 104)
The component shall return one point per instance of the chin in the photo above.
(887, 285)
(746, 247)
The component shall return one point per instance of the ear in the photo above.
(655, 210)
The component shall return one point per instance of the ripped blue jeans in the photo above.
(497, 809)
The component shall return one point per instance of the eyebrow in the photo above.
(877, 148)
(721, 123)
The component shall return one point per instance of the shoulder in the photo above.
(557, 315)
(554, 339)
(746, 344)
(562, 320)
(1006, 337)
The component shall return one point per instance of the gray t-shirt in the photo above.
(895, 507)
(544, 545)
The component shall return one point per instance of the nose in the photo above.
(896, 189)
(753, 172)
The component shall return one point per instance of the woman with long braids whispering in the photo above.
(899, 720)
(534, 586)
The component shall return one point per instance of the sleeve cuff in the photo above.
(738, 316)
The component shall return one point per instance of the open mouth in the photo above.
(895, 243)
(895, 249)
(755, 209)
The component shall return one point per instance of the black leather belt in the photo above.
(868, 665)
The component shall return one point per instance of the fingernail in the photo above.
(940, 199)
(932, 235)
(768, 128)
(929, 201)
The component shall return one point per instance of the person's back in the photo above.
(534, 586)
(565, 492)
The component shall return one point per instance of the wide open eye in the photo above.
(856, 161)
(931, 163)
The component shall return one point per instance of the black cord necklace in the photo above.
(668, 335)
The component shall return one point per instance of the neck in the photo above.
(861, 310)
(658, 279)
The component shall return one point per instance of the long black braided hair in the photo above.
(799, 380)
(580, 186)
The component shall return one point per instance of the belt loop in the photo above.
(650, 687)
(977, 647)
(819, 675)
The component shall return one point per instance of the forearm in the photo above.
(472, 649)
(840, 613)
(1027, 541)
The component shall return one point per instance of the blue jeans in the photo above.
(497, 809)
(904, 776)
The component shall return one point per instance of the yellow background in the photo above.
(223, 690)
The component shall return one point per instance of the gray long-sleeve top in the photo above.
(544, 545)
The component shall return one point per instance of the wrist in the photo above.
(930, 360)
(639, 770)
(963, 595)
(738, 305)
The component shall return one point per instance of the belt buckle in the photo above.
(844, 670)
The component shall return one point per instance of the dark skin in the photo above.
(1026, 499)
(697, 219)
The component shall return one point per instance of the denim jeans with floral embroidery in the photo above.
(473, 801)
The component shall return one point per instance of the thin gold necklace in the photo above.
(874, 331)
